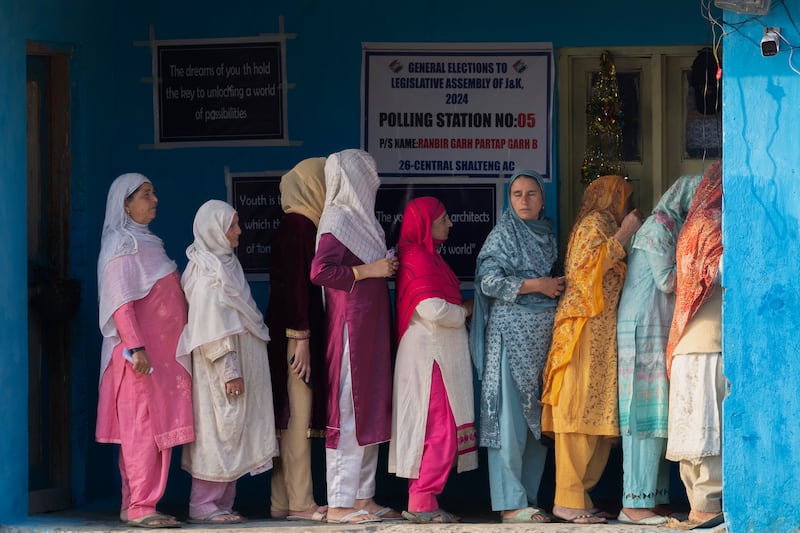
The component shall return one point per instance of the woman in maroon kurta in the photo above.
(351, 264)
(295, 317)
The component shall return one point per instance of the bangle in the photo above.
(137, 349)
(355, 274)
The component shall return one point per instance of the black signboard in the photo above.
(220, 92)
(472, 208)
(257, 199)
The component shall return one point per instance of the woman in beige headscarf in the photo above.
(232, 396)
(297, 348)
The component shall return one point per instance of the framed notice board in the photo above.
(221, 92)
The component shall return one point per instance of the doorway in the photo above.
(53, 297)
(659, 122)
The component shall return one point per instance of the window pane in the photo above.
(629, 95)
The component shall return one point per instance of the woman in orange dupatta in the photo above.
(580, 377)
(694, 355)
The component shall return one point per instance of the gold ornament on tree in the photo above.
(603, 125)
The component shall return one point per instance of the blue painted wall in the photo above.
(761, 181)
(112, 117)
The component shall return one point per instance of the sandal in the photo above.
(235, 518)
(527, 515)
(154, 521)
(438, 516)
(356, 517)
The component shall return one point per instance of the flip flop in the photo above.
(209, 520)
(381, 513)
(574, 519)
(348, 518)
(315, 517)
(526, 516)
(147, 522)
(430, 517)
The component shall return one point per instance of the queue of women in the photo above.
(625, 341)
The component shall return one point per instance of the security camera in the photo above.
(770, 42)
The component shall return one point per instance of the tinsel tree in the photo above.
(603, 125)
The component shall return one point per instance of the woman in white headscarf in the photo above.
(226, 334)
(351, 264)
(145, 396)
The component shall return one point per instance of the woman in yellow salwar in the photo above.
(579, 396)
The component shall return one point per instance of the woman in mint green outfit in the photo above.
(643, 321)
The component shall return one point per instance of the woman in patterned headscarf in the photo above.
(351, 264)
(515, 300)
(432, 412)
(643, 321)
(694, 354)
(580, 379)
(296, 321)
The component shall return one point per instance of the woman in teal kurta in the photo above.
(643, 321)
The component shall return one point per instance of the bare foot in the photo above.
(636, 514)
(698, 517)
(372, 507)
(577, 516)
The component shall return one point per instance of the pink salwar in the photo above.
(142, 466)
(439, 451)
(208, 497)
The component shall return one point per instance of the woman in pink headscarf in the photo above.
(432, 412)
(145, 397)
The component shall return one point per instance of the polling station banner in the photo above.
(457, 109)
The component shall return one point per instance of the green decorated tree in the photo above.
(603, 125)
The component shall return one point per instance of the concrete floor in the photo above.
(87, 521)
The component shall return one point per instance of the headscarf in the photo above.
(524, 248)
(303, 189)
(132, 259)
(659, 233)
(601, 210)
(606, 194)
(423, 273)
(698, 253)
(351, 182)
(220, 303)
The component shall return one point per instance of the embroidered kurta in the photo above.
(645, 314)
(363, 307)
(235, 435)
(436, 333)
(156, 322)
(580, 378)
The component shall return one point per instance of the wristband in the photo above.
(137, 349)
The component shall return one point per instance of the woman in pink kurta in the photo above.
(142, 314)
(351, 265)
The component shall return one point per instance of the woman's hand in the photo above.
(301, 360)
(382, 268)
(234, 387)
(141, 363)
(468, 305)
(550, 287)
(630, 224)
